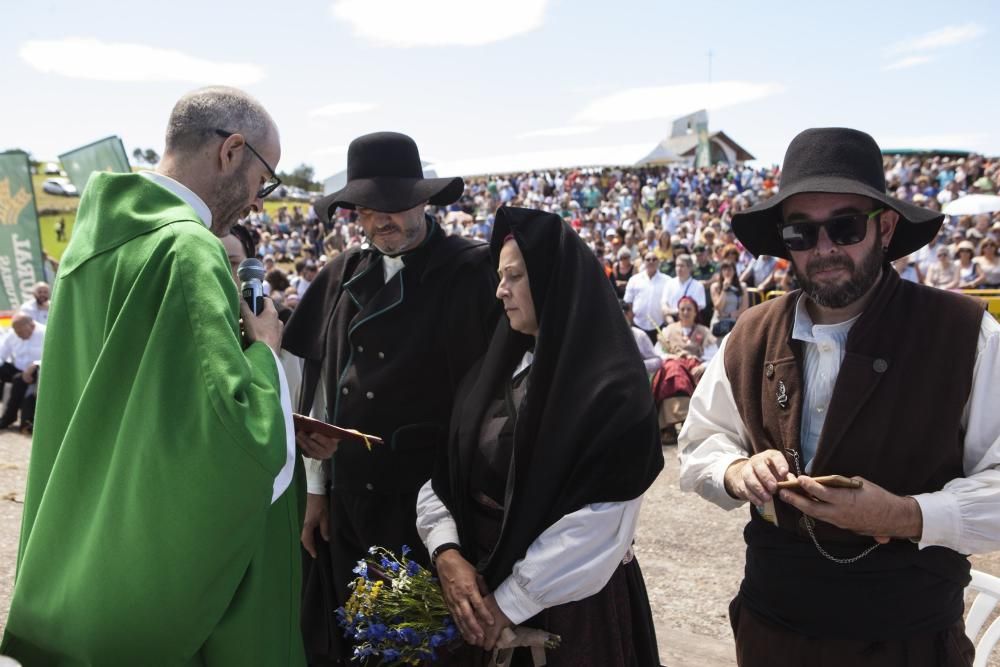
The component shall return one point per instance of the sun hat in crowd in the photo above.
(840, 161)
(965, 245)
(384, 174)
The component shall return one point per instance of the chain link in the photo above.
(808, 520)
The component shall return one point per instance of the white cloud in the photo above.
(648, 103)
(340, 109)
(907, 62)
(567, 131)
(81, 58)
(409, 23)
(937, 39)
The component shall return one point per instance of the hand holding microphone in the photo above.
(260, 319)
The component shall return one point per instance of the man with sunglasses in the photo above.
(862, 375)
(160, 524)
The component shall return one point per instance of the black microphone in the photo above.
(251, 275)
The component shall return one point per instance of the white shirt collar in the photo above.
(806, 331)
(184, 194)
(526, 360)
(391, 266)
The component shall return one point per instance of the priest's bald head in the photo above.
(224, 146)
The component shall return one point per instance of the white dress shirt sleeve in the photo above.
(631, 287)
(284, 477)
(572, 559)
(435, 525)
(713, 437)
(963, 515)
(316, 478)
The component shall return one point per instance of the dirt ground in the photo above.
(690, 551)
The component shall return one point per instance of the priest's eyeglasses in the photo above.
(270, 184)
(846, 229)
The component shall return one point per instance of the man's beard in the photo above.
(229, 202)
(863, 277)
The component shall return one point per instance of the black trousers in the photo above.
(760, 643)
(12, 374)
(359, 519)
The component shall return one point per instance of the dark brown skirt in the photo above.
(613, 628)
(763, 644)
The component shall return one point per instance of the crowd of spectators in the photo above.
(677, 214)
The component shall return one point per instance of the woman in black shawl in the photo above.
(532, 509)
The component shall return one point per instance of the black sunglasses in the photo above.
(846, 229)
(270, 184)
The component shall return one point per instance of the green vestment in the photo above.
(149, 535)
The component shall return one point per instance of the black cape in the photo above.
(586, 431)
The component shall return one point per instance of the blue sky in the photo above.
(473, 81)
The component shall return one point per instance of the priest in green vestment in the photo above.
(161, 521)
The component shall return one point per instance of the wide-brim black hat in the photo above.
(384, 174)
(833, 160)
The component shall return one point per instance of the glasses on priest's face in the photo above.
(845, 229)
(268, 186)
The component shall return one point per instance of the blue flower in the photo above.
(391, 654)
(390, 565)
(413, 568)
(361, 569)
(363, 651)
(406, 551)
(437, 639)
(410, 636)
(377, 632)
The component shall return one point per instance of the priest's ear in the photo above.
(231, 152)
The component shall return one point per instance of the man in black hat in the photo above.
(386, 332)
(858, 374)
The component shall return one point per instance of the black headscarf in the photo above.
(586, 431)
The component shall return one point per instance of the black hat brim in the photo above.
(391, 194)
(757, 227)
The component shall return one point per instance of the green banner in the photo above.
(104, 155)
(20, 241)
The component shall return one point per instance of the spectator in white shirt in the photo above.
(22, 353)
(681, 286)
(38, 305)
(644, 294)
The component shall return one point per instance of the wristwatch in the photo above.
(447, 546)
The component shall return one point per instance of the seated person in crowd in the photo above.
(760, 273)
(650, 358)
(682, 285)
(38, 305)
(989, 263)
(729, 297)
(21, 351)
(970, 276)
(687, 346)
(908, 269)
(943, 273)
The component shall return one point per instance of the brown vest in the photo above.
(894, 418)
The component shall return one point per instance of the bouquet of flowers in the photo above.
(396, 611)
